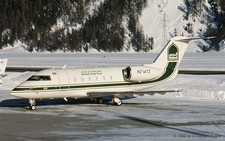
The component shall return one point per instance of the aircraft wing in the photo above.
(130, 93)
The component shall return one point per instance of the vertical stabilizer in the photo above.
(170, 57)
(172, 52)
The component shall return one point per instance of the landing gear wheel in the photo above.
(116, 101)
(119, 103)
(95, 99)
(100, 101)
(32, 107)
(32, 104)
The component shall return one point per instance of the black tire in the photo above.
(119, 103)
(100, 101)
(32, 107)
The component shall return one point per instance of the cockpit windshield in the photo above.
(39, 78)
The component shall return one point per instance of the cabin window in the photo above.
(54, 73)
(40, 78)
(64, 87)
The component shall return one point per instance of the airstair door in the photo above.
(63, 76)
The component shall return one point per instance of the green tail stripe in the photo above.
(168, 72)
(170, 69)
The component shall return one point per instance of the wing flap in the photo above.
(130, 93)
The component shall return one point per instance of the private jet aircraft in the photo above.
(3, 63)
(95, 83)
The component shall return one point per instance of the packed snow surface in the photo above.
(196, 113)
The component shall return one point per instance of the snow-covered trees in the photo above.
(32, 22)
(214, 18)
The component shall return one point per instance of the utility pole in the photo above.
(164, 29)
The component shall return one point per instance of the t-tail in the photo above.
(171, 56)
(3, 63)
(172, 52)
(165, 66)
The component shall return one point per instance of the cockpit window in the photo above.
(39, 78)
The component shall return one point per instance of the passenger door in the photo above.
(63, 76)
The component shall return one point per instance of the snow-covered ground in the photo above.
(196, 113)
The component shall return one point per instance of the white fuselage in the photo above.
(77, 83)
(115, 81)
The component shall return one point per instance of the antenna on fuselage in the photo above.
(64, 66)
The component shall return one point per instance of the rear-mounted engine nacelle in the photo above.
(140, 73)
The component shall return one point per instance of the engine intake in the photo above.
(127, 73)
(140, 73)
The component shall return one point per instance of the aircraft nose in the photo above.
(14, 92)
(21, 92)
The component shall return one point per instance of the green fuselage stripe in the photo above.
(170, 69)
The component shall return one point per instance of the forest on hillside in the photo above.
(213, 18)
(112, 25)
(103, 29)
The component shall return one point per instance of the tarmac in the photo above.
(141, 118)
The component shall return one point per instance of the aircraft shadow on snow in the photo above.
(179, 127)
(24, 103)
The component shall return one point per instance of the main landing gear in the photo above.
(115, 100)
(98, 100)
(32, 104)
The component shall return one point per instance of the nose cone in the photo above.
(14, 92)
(19, 92)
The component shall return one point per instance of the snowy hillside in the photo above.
(151, 20)
(154, 23)
(111, 26)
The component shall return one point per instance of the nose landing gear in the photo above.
(32, 104)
